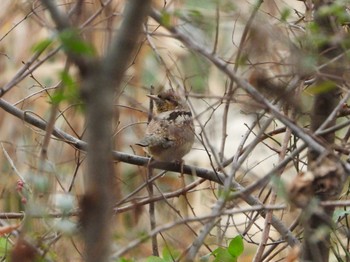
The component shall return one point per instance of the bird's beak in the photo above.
(154, 97)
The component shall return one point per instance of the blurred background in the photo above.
(257, 39)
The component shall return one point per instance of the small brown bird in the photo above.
(170, 134)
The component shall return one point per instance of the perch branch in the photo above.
(143, 161)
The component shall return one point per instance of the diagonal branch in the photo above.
(224, 67)
(61, 20)
(211, 175)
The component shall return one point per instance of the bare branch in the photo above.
(143, 161)
(224, 67)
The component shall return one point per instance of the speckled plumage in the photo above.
(170, 134)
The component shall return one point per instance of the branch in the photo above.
(61, 20)
(211, 175)
(117, 156)
(28, 68)
(118, 210)
(224, 67)
(205, 219)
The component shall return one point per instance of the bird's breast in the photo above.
(176, 117)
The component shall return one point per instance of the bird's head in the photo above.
(168, 100)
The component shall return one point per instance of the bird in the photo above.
(170, 134)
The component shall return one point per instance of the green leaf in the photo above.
(169, 254)
(4, 245)
(73, 43)
(236, 247)
(42, 45)
(155, 259)
(223, 255)
(336, 9)
(316, 37)
(321, 88)
(243, 59)
(196, 16)
(57, 97)
(165, 19)
(125, 260)
(70, 85)
(69, 90)
(285, 14)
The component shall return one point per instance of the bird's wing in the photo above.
(143, 142)
(155, 141)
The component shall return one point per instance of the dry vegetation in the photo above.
(250, 71)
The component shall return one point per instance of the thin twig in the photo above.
(143, 161)
(12, 164)
(272, 201)
(152, 211)
(168, 226)
(223, 66)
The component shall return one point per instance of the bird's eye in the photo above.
(173, 100)
(163, 97)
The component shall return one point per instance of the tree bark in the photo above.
(319, 220)
(100, 86)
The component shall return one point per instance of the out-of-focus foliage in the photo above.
(267, 43)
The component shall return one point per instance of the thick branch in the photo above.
(100, 81)
(143, 161)
(331, 72)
